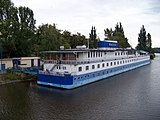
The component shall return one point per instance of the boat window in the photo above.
(107, 64)
(115, 54)
(98, 74)
(111, 63)
(93, 66)
(114, 63)
(88, 54)
(80, 69)
(103, 65)
(117, 62)
(87, 67)
(93, 54)
(99, 54)
(64, 68)
(98, 66)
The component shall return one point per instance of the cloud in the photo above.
(80, 16)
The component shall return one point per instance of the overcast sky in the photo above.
(80, 15)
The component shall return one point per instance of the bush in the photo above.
(11, 76)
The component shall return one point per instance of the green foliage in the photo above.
(20, 37)
(108, 34)
(66, 39)
(8, 26)
(77, 39)
(93, 38)
(144, 41)
(11, 76)
(117, 35)
(47, 37)
(17, 27)
(149, 43)
(25, 32)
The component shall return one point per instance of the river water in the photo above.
(134, 95)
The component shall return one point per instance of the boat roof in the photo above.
(84, 50)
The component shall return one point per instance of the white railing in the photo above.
(84, 61)
(56, 73)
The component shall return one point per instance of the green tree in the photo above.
(142, 41)
(66, 39)
(149, 42)
(93, 38)
(108, 34)
(8, 26)
(117, 35)
(77, 39)
(26, 34)
(48, 37)
(17, 27)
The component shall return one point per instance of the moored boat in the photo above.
(71, 68)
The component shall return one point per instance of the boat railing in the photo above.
(56, 73)
(60, 61)
(85, 61)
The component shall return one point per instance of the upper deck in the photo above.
(107, 50)
(76, 56)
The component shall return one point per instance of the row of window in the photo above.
(99, 54)
(105, 72)
(120, 53)
(107, 64)
(95, 54)
(59, 67)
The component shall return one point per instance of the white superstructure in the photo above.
(89, 65)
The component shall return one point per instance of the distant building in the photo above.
(20, 62)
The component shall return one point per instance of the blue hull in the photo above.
(69, 82)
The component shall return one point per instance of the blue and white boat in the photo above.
(71, 68)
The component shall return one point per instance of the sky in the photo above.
(80, 15)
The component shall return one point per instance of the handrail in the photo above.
(56, 73)
(84, 61)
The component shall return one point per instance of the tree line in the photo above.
(144, 41)
(19, 35)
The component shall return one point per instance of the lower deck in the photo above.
(69, 82)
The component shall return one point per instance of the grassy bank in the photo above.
(11, 77)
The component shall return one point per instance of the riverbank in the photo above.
(14, 81)
(22, 78)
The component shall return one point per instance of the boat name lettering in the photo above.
(112, 44)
